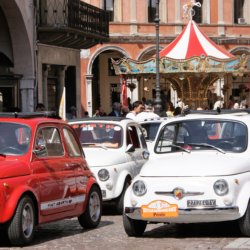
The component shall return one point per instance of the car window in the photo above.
(150, 130)
(48, 142)
(71, 143)
(14, 138)
(132, 137)
(227, 135)
(99, 134)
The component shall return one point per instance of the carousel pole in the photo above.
(157, 85)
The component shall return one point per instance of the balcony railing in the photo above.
(71, 23)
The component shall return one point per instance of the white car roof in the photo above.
(109, 119)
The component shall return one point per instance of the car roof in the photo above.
(108, 119)
(237, 115)
(31, 118)
(154, 120)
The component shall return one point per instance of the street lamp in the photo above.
(157, 85)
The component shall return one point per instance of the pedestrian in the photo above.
(116, 110)
(219, 103)
(72, 113)
(40, 107)
(148, 112)
(137, 107)
(231, 102)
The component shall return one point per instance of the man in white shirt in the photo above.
(148, 112)
(137, 107)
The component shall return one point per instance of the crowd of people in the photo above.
(145, 109)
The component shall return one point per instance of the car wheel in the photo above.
(244, 222)
(92, 215)
(120, 200)
(20, 230)
(133, 227)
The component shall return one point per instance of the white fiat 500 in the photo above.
(201, 174)
(115, 150)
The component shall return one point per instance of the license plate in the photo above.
(201, 203)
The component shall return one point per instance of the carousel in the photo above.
(191, 65)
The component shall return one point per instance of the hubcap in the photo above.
(27, 220)
(94, 206)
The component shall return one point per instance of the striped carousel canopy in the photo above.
(193, 42)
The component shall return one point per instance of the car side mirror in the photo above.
(40, 150)
(130, 148)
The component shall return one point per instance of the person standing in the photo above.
(116, 110)
(148, 112)
(137, 107)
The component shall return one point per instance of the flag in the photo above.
(124, 97)
(62, 107)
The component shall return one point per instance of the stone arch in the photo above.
(148, 50)
(21, 38)
(101, 50)
(20, 20)
(240, 50)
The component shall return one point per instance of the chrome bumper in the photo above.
(135, 212)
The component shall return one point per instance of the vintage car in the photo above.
(43, 176)
(115, 149)
(196, 177)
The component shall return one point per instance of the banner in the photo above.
(124, 97)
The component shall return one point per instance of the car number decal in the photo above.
(159, 209)
(62, 202)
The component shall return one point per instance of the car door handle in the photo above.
(70, 166)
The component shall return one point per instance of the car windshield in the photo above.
(203, 134)
(14, 138)
(104, 135)
(150, 130)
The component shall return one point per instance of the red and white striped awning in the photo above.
(193, 42)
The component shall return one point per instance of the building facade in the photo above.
(40, 42)
(133, 34)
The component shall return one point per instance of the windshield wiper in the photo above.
(180, 147)
(207, 145)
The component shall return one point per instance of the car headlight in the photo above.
(103, 174)
(221, 187)
(139, 188)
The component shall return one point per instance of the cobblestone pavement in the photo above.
(110, 234)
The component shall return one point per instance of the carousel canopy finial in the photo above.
(188, 9)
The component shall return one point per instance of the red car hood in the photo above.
(12, 168)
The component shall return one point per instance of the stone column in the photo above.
(133, 18)
(246, 11)
(27, 93)
(46, 69)
(163, 15)
(61, 78)
(178, 12)
(221, 28)
(89, 94)
(206, 11)
(118, 11)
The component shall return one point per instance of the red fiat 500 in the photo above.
(43, 176)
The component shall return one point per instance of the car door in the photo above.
(135, 137)
(49, 162)
(77, 164)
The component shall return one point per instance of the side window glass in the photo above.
(132, 137)
(71, 143)
(142, 138)
(48, 142)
